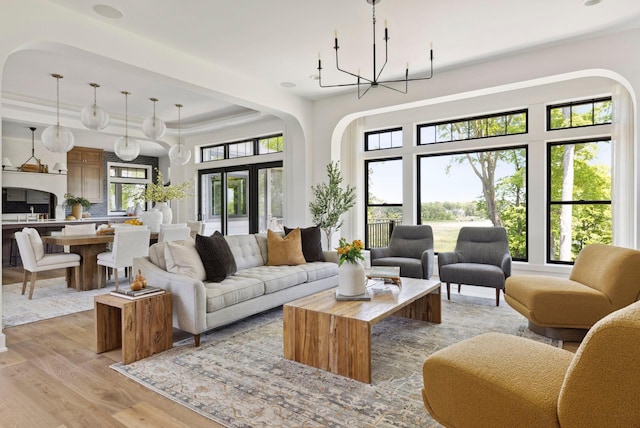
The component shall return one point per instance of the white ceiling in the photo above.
(278, 41)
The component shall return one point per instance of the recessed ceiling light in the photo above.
(107, 11)
(288, 85)
(590, 2)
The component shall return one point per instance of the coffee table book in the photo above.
(386, 273)
(137, 294)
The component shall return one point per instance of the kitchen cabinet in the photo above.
(16, 195)
(85, 175)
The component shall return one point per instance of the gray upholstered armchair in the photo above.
(481, 258)
(411, 248)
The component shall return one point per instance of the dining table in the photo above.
(88, 247)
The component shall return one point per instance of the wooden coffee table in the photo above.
(333, 335)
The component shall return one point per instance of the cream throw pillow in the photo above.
(183, 259)
(285, 251)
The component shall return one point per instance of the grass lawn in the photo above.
(445, 233)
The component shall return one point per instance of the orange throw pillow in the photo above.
(284, 251)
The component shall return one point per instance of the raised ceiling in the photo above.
(278, 41)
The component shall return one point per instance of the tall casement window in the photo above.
(580, 113)
(126, 181)
(579, 195)
(380, 140)
(242, 199)
(383, 186)
(475, 188)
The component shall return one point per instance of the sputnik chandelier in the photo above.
(365, 84)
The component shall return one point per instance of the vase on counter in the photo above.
(351, 279)
(138, 210)
(167, 214)
(76, 211)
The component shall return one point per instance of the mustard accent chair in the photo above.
(604, 279)
(498, 380)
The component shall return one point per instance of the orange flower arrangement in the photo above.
(350, 252)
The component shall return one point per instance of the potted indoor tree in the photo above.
(77, 203)
(331, 201)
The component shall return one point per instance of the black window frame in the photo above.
(382, 131)
(571, 104)
(366, 192)
(469, 119)
(255, 141)
(550, 203)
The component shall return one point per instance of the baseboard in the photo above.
(3, 343)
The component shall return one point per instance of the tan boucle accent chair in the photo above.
(498, 380)
(604, 279)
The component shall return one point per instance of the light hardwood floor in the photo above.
(51, 377)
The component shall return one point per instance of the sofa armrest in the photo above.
(189, 296)
(428, 261)
(378, 253)
(330, 256)
(447, 259)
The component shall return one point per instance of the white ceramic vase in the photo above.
(167, 214)
(138, 210)
(351, 279)
(152, 219)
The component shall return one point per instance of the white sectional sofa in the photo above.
(199, 306)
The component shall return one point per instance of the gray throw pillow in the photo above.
(311, 244)
(216, 256)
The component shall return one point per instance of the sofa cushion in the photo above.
(319, 270)
(216, 256)
(232, 290)
(156, 255)
(285, 251)
(276, 278)
(311, 244)
(245, 250)
(183, 259)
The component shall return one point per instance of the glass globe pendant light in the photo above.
(57, 138)
(178, 153)
(153, 127)
(93, 116)
(126, 148)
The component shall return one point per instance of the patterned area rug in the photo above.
(238, 377)
(51, 298)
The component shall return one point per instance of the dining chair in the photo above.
(35, 260)
(174, 234)
(128, 243)
(78, 229)
(196, 228)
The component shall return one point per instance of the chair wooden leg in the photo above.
(459, 288)
(448, 291)
(33, 284)
(24, 282)
(115, 276)
(497, 297)
(196, 340)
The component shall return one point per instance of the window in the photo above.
(494, 125)
(479, 188)
(579, 113)
(252, 147)
(579, 194)
(380, 140)
(126, 181)
(384, 200)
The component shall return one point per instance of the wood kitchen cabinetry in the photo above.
(85, 173)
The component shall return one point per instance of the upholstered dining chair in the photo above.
(196, 228)
(78, 229)
(481, 257)
(410, 248)
(35, 260)
(500, 380)
(128, 243)
(173, 232)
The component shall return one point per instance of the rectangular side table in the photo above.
(142, 327)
